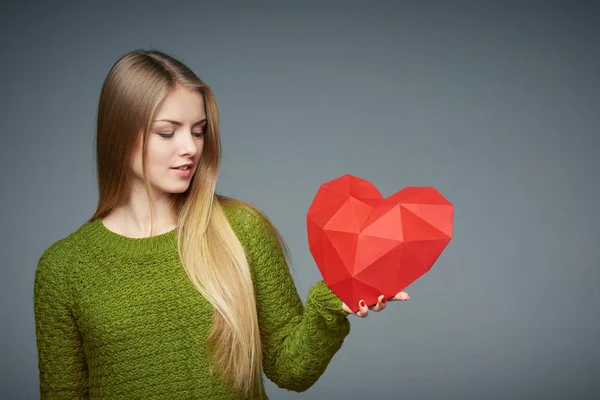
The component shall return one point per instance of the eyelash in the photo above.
(167, 135)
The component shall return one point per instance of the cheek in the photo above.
(137, 164)
(200, 148)
(159, 157)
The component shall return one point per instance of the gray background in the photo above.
(495, 104)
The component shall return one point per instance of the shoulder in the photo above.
(243, 216)
(54, 278)
(58, 259)
(251, 225)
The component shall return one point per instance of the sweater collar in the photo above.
(107, 240)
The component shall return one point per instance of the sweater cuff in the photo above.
(325, 300)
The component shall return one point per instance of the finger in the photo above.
(346, 308)
(363, 309)
(401, 296)
(381, 303)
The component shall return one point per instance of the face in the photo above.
(176, 138)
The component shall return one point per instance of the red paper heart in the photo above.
(366, 245)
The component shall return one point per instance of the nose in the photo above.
(188, 145)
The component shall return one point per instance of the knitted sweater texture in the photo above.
(118, 318)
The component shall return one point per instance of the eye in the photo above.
(168, 135)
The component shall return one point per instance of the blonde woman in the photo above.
(170, 290)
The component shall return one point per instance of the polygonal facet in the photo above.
(366, 245)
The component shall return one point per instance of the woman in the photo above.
(170, 290)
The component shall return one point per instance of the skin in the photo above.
(363, 312)
(170, 145)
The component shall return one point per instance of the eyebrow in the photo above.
(179, 123)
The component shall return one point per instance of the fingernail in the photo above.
(383, 301)
(362, 303)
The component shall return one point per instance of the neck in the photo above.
(133, 218)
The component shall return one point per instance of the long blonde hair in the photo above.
(210, 252)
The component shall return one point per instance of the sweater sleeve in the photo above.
(61, 360)
(298, 341)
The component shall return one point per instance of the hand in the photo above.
(381, 303)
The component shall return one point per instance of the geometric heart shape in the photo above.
(366, 245)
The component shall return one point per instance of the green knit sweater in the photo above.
(117, 317)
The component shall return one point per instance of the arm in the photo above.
(61, 360)
(298, 342)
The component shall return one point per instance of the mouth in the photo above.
(184, 167)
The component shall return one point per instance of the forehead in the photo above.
(182, 104)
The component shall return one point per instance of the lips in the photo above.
(189, 166)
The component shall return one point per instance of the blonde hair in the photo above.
(210, 252)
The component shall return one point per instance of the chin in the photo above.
(169, 187)
(179, 189)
